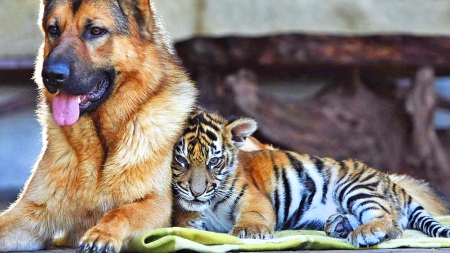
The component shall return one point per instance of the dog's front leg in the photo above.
(118, 226)
(22, 227)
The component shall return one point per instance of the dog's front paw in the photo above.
(99, 240)
(253, 231)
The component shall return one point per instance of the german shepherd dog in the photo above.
(113, 102)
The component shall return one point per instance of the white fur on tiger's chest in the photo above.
(321, 212)
(218, 220)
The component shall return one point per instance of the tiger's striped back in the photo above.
(250, 194)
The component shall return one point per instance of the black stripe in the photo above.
(413, 216)
(361, 213)
(313, 225)
(311, 187)
(443, 233)
(350, 182)
(393, 187)
(426, 225)
(356, 165)
(202, 118)
(299, 169)
(379, 205)
(281, 192)
(287, 194)
(420, 221)
(357, 197)
(276, 197)
(342, 164)
(297, 164)
(301, 208)
(233, 208)
(296, 216)
(325, 187)
(289, 223)
(408, 202)
(369, 176)
(211, 135)
(318, 162)
(229, 192)
(276, 200)
(370, 187)
(432, 228)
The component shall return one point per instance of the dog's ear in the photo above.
(141, 12)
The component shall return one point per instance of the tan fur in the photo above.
(253, 144)
(422, 193)
(106, 178)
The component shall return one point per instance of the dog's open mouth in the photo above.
(67, 108)
(95, 94)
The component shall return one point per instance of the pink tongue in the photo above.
(65, 109)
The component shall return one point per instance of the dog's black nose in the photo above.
(55, 74)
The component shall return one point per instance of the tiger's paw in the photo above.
(373, 233)
(253, 231)
(194, 220)
(340, 225)
(101, 241)
(198, 223)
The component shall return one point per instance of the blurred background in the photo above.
(366, 79)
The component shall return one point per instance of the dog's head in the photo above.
(88, 46)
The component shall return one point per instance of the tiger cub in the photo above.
(251, 194)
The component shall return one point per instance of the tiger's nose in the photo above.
(196, 192)
(198, 182)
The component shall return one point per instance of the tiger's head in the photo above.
(205, 156)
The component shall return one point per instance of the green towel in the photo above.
(173, 239)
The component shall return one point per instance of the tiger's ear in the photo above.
(240, 129)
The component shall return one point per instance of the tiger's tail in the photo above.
(421, 220)
(422, 193)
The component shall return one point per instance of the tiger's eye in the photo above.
(181, 160)
(214, 161)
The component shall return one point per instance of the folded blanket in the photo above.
(173, 239)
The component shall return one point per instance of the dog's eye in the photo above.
(96, 31)
(53, 31)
